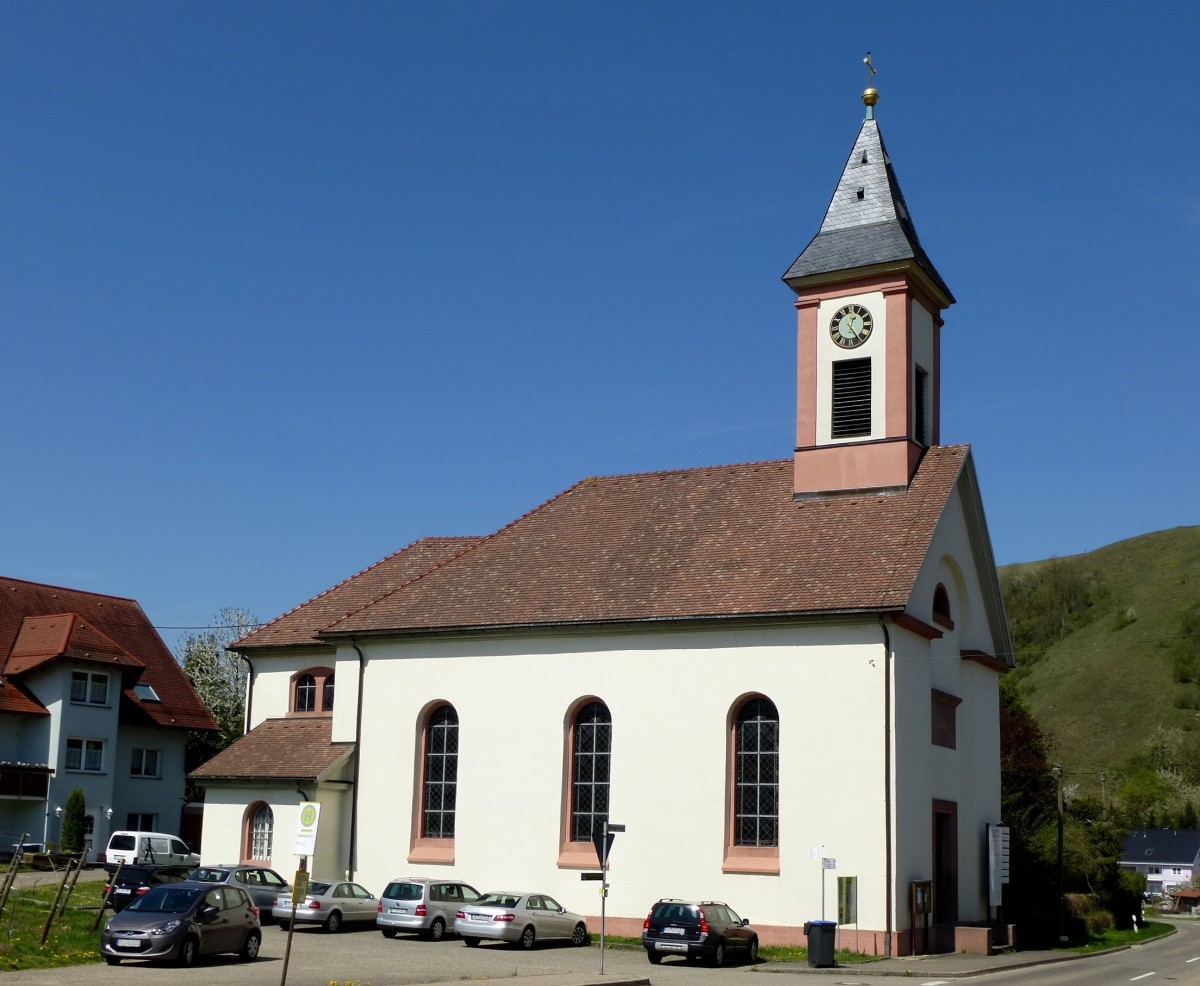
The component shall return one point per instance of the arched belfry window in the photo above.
(591, 756)
(756, 769)
(439, 796)
(306, 693)
(941, 607)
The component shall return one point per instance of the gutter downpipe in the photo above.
(887, 789)
(358, 707)
(249, 693)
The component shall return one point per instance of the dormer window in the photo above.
(89, 689)
(312, 692)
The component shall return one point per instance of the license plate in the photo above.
(127, 943)
(399, 910)
(122, 892)
(480, 917)
(672, 931)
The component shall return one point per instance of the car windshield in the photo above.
(675, 914)
(498, 900)
(208, 874)
(404, 891)
(316, 889)
(167, 900)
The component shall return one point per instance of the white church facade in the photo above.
(774, 675)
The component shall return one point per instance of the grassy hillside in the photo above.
(1110, 650)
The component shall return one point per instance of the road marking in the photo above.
(1196, 959)
(937, 982)
(1144, 975)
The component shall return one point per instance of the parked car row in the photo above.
(176, 913)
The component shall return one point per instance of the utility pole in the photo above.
(1058, 769)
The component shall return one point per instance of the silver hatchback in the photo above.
(421, 905)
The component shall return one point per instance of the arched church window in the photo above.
(756, 774)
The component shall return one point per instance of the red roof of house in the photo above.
(44, 623)
(720, 542)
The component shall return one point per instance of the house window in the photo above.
(85, 754)
(312, 691)
(756, 781)
(260, 824)
(90, 689)
(141, 822)
(851, 398)
(941, 607)
(440, 782)
(943, 709)
(146, 763)
(590, 767)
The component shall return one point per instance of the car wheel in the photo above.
(579, 935)
(753, 950)
(333, 923)
(471, 942)
(188, 951)
(112, 960)
(388, 932)
(528, 936)
(284, 924)
(250, 946)
(654, 958)
(437, 930)
(718, 954)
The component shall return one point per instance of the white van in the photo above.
(156, 848)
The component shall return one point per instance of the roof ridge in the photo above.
(674, 472)
(63, 588)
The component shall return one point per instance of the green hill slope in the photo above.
(1108, 650)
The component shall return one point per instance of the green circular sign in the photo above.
(308, 815)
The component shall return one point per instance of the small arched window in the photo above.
(312, 691)
(941, 607)
(260, 831)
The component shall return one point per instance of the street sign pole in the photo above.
(603, 842)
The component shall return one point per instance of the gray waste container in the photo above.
(822, 936)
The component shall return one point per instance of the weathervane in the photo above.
(870, 95)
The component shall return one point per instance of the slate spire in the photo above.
(867, 227)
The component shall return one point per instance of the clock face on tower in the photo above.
(851, 326)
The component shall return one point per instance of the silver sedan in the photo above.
(328, 904)
(521, 919)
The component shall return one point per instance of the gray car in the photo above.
(328, 904)
(262, 884)
(422, 905)
(521, 919)
(182, 921)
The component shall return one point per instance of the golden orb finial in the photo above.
(870, 96)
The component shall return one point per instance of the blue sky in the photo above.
(288, 285)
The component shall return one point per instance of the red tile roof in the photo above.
(91, 627)
(300, 625)
(298, 749)
(719, 542)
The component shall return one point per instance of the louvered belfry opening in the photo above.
(851, 398)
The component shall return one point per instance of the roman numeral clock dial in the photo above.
(851, 326)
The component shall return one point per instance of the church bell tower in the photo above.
(868, 334)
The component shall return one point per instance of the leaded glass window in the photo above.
(441, 774)
(306, 693)
(591, 761)
(756, 797)
(262, 829)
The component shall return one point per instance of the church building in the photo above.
(780, 677)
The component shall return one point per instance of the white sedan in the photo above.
(521, 919)
(328, 904)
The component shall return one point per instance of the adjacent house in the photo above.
(780, 677)
(90, 698)
(1168, 858)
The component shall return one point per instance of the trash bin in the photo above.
(822, 937)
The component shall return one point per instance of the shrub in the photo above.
(1099, 922)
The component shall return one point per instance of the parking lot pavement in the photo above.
(365, 957)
